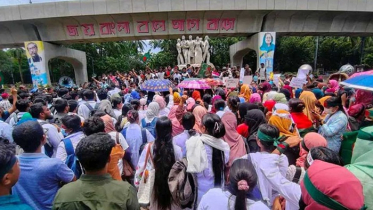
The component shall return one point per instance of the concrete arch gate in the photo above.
(87, 21)
(75, 57)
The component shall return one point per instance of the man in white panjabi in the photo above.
(262, 73)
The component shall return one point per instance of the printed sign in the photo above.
(247, 80)
(276, 78)
(231, 83)
(35, 56)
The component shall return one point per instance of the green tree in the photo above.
(18, 55)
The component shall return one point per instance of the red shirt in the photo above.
(301, 120)
(243, 130)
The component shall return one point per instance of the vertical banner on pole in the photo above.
(35, 55)
(267, 44)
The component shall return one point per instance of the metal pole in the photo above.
(362, 49)
(316, 52)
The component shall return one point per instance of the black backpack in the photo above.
(92, 110)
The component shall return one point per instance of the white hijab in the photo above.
(152, 112)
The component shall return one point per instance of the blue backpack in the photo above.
(149, 126)
(72, 161)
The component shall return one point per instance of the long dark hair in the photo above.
(164, 158)
(125, 109)
(241, 170)
(214, 127)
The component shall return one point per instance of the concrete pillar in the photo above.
(76, 58)
(240, 49)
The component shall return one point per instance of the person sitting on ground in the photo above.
(9, 174)
(238, 195)
(93, 153)
(41, 176)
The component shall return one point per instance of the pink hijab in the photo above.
(198, 112)
(255, 98)
(232, 137)
(333, 86)
(311, 140)
(109, 125)
(215, 98)
(161, 102)
(177, 128)
(335, 182)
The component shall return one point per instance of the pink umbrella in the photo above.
(194, 84)
(370, 72)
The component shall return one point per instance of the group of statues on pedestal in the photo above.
(193, 51)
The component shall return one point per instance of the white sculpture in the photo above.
(191, 49)
(206, 51)
(185, 50)
(198, 51)
(180, 59)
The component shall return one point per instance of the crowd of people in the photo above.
(111, 145)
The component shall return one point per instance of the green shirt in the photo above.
(96, 192)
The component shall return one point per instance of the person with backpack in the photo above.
(208, 154)
(102, 122)
(136, 136)
(160, 156)
(88, 106)
(96, 189)
(62, 108)
(151, 118)
(238, 193)
(40, 176)
(188, 122)
(66, 148)
(42, 113)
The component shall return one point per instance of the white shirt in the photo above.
(54, 137)
(262, 73)
(178, 76)
(11, 117)
(271, 170)
(180, 140)
(160, 75)
(6, 131)
(117, 112)
(216, 198)
(72, 113)
(164, 112)
(84, 111)
(75, 139)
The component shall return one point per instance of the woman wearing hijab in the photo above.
(289, 88)
(245, 92)
(356, 115)
(286, 93)
(177, 127)
(361, 163)
(300, 119)
(215, 98)
(233, 138)
(281, 119)
(143, 108)
(333, 86)
(163, 110)
(196, 95)
(199, 112)
(151, 118)
(253, 119)
(280, 98)
(329, 186)
(310, 141)
(255, 98)
(309, 100)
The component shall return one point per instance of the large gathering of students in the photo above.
(108, 144)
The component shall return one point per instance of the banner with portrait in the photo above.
(267, 45)
(35, 55)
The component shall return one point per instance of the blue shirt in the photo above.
(11, 202)
(40, 178)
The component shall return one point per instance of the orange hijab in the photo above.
(245, 92)
(282, 120)
(309, 100)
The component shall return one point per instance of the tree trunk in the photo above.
(20, 70)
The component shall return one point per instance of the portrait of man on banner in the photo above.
(35, 55)
(32, 49)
